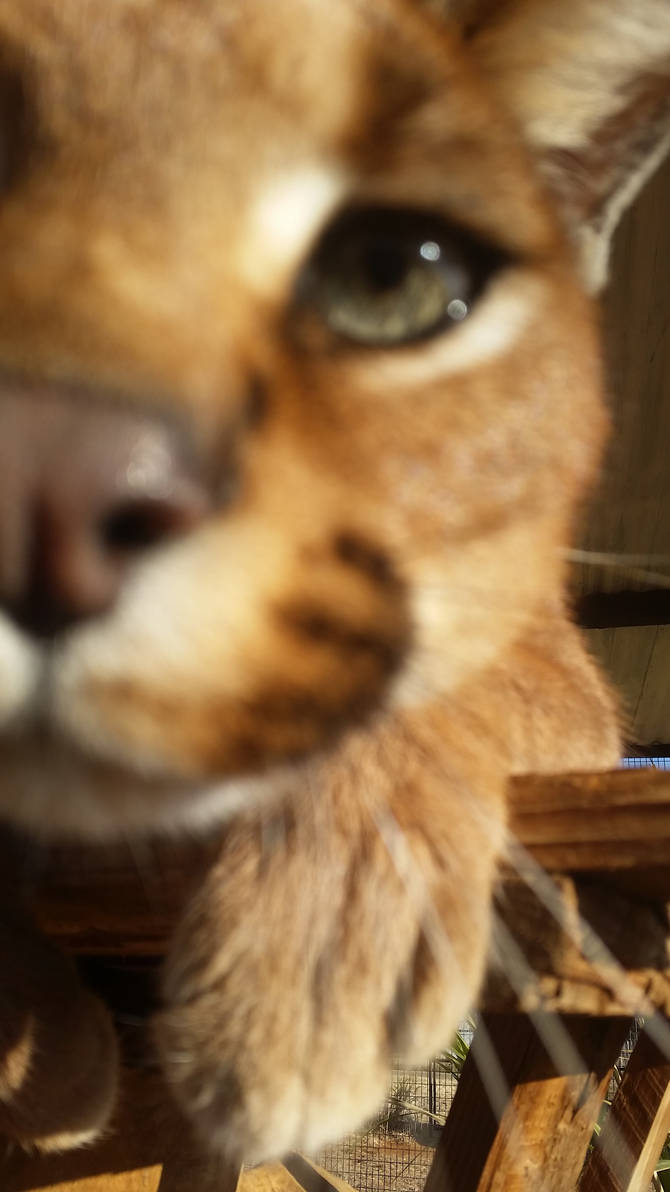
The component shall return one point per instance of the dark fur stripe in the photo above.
(322, 627)
(354, 551)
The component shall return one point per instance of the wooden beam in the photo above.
(308, 1175)
(595, 950)
(648, 750)
(603, 839)
(148, 1149)
(636, 1127)
(619, 610)
(107, 899)
(584, 895)
(597, 823)
(528, 1129)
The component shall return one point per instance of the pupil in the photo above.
(385, 266)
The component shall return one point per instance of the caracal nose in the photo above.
(86, 488)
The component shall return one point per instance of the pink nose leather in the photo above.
(86, 488)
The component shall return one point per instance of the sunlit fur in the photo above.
(153, 265)
(367, 636)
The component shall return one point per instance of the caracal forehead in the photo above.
(194, 109)
(134, 56)
(168, 98)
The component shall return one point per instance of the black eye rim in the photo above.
(478, 255)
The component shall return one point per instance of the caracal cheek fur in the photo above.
(334, 258)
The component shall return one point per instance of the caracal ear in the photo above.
(589, 83)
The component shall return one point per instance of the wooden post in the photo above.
(520, 1124)
(636, 1127)
(148, 1149)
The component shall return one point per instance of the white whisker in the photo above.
(612, 558)
(491, 1073)
(635, 566)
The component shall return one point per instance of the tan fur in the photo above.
(589, 82)
(352, 656)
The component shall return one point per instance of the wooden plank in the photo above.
(30, 1173)
(625, 655)
(295, 1174)
(651, 721)
(596, 823)
(632, 511)
(594, 938)
(141, 1180)
(148, 1149)
(625, 608)
(636, 1127)
(597, 951)
(113, 901)
(309, 1176)
(535, 1136)
(605, 839)
(637, 659)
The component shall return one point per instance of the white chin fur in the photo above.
(54, 786)
(19, 672)
(53, 790)
(62, 772)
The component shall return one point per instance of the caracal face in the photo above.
(299, 395)
(191, 201)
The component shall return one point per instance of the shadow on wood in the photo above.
(521, 1121)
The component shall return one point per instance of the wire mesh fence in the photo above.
(395, 1152)
(622, 1062)
(641, 763)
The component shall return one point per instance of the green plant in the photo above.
(392, 1117)
(453, 1058)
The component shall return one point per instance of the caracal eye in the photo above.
(384, 276)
